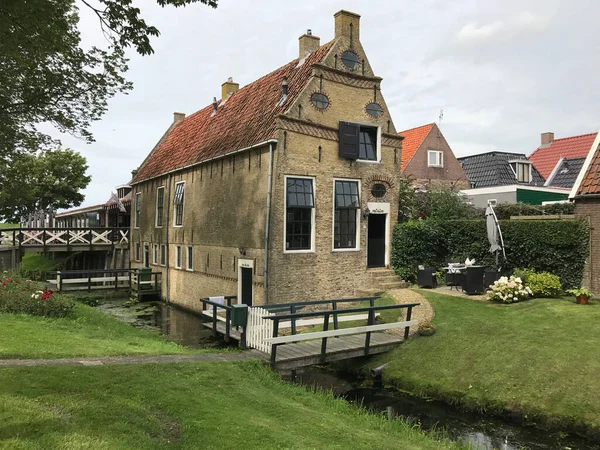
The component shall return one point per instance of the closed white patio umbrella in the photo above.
(494, 233)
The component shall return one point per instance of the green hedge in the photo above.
(506, 210)
(556, 246)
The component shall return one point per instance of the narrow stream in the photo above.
(482, 433)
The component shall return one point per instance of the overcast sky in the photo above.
(503, 71)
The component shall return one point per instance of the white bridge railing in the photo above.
(49, 237)
(259, 329)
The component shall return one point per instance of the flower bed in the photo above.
(509, 290)
(20, 296)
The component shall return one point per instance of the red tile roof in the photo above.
(545, 159)
(413, 139)
(246, 118)
(591, 181)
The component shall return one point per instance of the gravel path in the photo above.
(423, 313)
(147, 359)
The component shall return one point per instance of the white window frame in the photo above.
(175, 206)
(378, 146)
(313, 214)
(155, 254)
(178, 257)
(358, 218)
(137, 213)
(189, 262)
(163, 251)
(158, 189)
(516, 170)
(439, 158)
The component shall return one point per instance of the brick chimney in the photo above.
(229, 87)
(347, 24)
(178, 117)
(308, 43)
(547, 139)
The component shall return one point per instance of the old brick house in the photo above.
(427, 158)
(586, 194)
(285, 189)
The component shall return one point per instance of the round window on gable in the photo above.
(319, 100)
(378, 190)
(350, 60)
(374, 109)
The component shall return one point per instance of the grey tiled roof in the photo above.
(492, 169)
(567, 172)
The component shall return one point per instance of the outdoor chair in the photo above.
(474, 280)
(427, 278)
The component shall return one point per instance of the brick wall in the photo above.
(591, 208)
(452, 172)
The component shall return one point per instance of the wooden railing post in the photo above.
(293, 311)
(324, 340)
(59, 281)
(214, 321)
(408, 316)
(227, 322)
(116, 280)
(89, 281)
(274, 346)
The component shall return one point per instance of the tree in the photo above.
(49, 180)
(47, 77)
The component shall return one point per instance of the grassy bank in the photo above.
(538, 358)
(176, 406)
(88, 333)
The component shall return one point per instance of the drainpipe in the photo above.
(268, 215)
(167, 271)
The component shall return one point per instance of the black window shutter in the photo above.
(349, 140)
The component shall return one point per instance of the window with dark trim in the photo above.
(178, 202)
(160, 202)
(178, 257)
(299, 213)
(190, 258)
(358, 141)
(347, 204)
(155, 254)
(163, 254)
(137, 251)
(138, 208)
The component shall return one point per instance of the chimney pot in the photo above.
(215, 104)
(547, 139)
(308, 43)
(343, 20)
(228, 88)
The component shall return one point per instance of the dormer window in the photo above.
(522, 170)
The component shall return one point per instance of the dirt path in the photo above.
(142, 359)
(423, 313)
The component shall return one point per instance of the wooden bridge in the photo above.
(64, 239)
(283, 331)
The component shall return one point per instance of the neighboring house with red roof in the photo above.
(283, 190)
(548, 155)
(586, 194)
(427, 158)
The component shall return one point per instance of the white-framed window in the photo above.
(346, 214)
(190, 258)
(138, 209)
(138, 251)
(435, 158)
(178, 257)
(160, 206)
(299, 218)
(523, 172)
(155, 254)
(178, 199)
(361, 142)
(163, 255)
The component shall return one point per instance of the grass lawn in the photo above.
(540, 357)
(88, 333)
(191, 406)
(8, 225)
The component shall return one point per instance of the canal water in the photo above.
(481, 432)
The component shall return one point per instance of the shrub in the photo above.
(509, 290)
(20, 296)
(543, 284)
(506, 210)
(556, 246)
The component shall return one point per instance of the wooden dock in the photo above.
(294, 350)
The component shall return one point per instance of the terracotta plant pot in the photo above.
(582, 299)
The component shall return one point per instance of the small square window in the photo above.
(178, 256)
(190, 258)
(435, 158)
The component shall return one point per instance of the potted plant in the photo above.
(426, 329)
(582, 295)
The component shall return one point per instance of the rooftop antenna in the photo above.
(441, 117)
